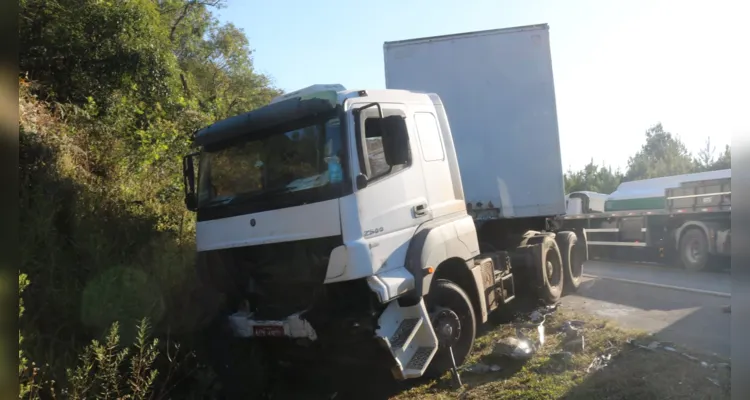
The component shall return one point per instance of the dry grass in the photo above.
(632, 373)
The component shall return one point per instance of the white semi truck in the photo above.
(362, 226)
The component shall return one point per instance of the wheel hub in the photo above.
(447, 327)
(693, 252)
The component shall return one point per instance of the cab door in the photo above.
(389, 186)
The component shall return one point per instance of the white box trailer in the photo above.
(498, 90)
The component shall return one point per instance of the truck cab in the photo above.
(325, 216)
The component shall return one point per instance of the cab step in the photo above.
(408, 335)
(405, 332)
(420, 359)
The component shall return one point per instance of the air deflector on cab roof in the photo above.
(263, 118)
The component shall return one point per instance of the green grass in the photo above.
(632, 373)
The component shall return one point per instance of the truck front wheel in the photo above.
(694, 250)
(454, 322)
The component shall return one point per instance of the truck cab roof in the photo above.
(309, 101)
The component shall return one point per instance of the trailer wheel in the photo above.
(454, 322)
(571, 260)
(694, 250)
(548, 265)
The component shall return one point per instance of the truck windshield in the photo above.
(268, 165)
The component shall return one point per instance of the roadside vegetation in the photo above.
(110, 94)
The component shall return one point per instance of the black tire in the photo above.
(694, 250)
(548, 268)
(443, 295)
(572, 262)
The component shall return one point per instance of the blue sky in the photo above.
(620, 66)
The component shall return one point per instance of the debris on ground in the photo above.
(564, 356)
(576, 345)
(574, 340)
(481, 368)
(536, 316)
(599, 362)
(632, 342)
(668, 346)
(522, 347)
(513, 347)
(689, 357)
(722, 365)
(714, 381)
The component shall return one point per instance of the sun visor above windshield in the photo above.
(262, 118)
(328, 92)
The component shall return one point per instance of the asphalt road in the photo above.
(720, 282)
(689, 314)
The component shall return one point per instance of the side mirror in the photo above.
(191, 201)
(395, 140)
(188, 182)
(361, 181)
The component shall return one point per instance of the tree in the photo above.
(725, 159)
(592, 178)
(663, 154)
(705, 159)
(89, 49)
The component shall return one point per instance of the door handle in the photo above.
(420, 210)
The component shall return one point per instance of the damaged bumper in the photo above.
(293, 326)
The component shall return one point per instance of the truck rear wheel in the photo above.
(694, 250)
(454, 322)
(571, 260)
(549, 270)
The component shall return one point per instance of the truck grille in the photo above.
(277, 279)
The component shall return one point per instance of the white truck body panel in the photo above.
(284, 225)
(657, 186)
(574, 205)
(498, 90)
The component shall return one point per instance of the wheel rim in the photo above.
(447, 326)
(552, 269)
(693, 252)
(576, 267)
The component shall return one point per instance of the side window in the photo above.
(429, 136)
(386, 145)
(375, 152)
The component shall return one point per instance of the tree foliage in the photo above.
(592, 178)
(706, 159)
(111, 92)
(663, 154)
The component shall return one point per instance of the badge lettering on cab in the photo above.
(371, 232)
